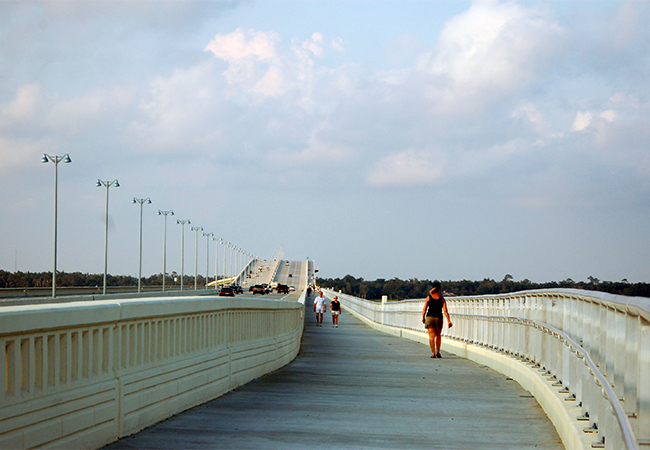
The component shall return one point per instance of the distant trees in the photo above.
(74, 279)
(396, 289)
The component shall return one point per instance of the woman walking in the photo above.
(335, 307)
(434, 306)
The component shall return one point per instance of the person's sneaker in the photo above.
(438, 355)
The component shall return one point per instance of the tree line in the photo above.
(396, 289)
(78, 279)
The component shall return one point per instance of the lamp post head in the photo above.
(116, 183)
(45, 159)
(99, 183)
(66, 159)
(148, 201)
(134, 200)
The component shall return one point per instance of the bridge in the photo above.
(87, 372)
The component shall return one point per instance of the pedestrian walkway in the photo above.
(355, 388)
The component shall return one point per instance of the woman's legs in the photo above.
(438, 340)
(432, 340)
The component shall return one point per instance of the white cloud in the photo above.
(23, 108)
(92, 106)
(314, 44)
(582, 121)
(258, 64)
(609, 115)
(531, 114)
(254, 64)
(180, 113)
(316, 153)
(17, 154)
(488, 52)
(338, 44)
(240, 44)
(626, 99)
(408, 168)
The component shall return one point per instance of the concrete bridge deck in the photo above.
(353, 387)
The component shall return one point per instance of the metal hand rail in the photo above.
(621, 416)
(609, 333)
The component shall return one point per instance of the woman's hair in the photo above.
(436, 285)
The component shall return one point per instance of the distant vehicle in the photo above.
(258, 289)
(292, 288)
(236, 288)
(283, 289)
(226, 291)
(250, 289)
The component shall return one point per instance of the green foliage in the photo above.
(75, 279)
(396, 289)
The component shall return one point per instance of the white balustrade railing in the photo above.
(80, 375)
(595, 346)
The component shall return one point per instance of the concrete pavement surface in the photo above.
(355, 388)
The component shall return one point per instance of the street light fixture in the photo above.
(56, 160)
(141, 201)
(182, 223)
(165, 213)
(106, 184)
(225, 252)
(207, 257)
(230, 273)
(196, 254)
(216, 260)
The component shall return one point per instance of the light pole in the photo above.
(225, 251)
(207, 258)
(230, 273)
(165, 213)
(196, 254)
(182, 222)
(216, 260)
(141, 201)
(106, 184)
(56, 160)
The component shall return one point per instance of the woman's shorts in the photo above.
(433, 322)
(336, 313)
(319, 310)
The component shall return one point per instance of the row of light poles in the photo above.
(142, 201)
(208, 236)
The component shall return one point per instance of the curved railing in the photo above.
(83, 374)
(594, 346)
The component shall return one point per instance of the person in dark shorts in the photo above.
(335, 307)
(434, 306)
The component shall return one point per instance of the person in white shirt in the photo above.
(320, 307)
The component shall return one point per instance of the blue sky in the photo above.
(411, 139)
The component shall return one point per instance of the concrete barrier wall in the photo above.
(84, 374)
(584, 355)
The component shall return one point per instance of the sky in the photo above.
(382, 139)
